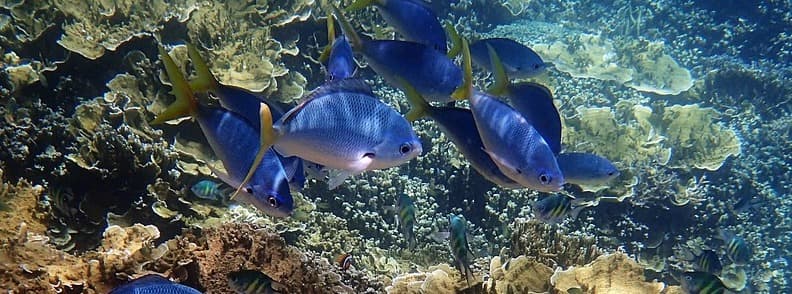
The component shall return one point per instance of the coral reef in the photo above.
(436, 279)
(518, 275)
(611, 273)
(696, 141)
(550, 247)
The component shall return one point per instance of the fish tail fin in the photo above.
(466, 89)
(331, 32)
(501, 84)
(418, 106)
(456, 40)
(349, 31)
(267, 137)
(205, 81)
(359, 4)
(185, 104)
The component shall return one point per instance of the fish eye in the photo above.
(273, 201)
(537, 66)
(405, 148)
(545, 179)
(610, 173)
(248, 190)
(519, 171)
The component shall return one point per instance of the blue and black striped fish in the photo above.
(702, 283)
(708, 261)
(554, 208)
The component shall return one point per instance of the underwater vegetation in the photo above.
(689, 101)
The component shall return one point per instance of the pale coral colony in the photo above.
(689, 99)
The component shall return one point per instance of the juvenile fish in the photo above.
(153, 284)
(413, 19)
(251, 282)
(460, 247)
(518, 60)
(236, 143)
(586, 169)
(554, 208)
(431, 72)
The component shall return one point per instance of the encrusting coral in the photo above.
(517, 275)
(440, 279)
(611, 273)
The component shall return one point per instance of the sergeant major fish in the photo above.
(209, 190)
(432, 73)
(708, 261)
(460, 247)
(554, 208)
(405, 218)
(343, 126)
(518, 149)
(251, 282)
(413, 19)
(702, 283)
(737, 249)
(153, 284)
(235, 141)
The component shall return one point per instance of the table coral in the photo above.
(518, 275)
(697, 140)
(612, 273)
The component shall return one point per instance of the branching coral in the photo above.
(549, 246)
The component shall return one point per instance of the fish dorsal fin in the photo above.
(350, 85)
(349, 31)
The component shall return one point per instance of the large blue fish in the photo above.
(343, 126)
(586, 169)
(459, 126)
(459, 246)
(236, 143)
(246, 104)
(413, 19)
(153, 284)
(518, 60)
(519, 150)
(432, 73)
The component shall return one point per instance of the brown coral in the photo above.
(548, 246)
(612, 273)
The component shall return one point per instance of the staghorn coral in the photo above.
(518, 275)
(611, 273)
(549, 246)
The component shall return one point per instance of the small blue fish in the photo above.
(406, 219)
(344, 126)
(737, 249)
(519, 61)
(251, 282)
(153, 284)
(586, 169)
(209, 190)
(432, 73)
(520, 152)
(337, 57)
(702, 283)
(708, 261)
(236, 143)
(413, 19)
(554, 208)
(459, 246)
(245, 104)
(460, 127)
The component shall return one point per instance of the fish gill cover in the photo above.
(690, 101)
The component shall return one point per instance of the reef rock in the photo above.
(612, 273)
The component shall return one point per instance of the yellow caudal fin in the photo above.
(205, 81)
(331, 32)
(359, 4)
(349, 31)
(418, 106)
(267, 137)
(501, 84)
(456, 40)
(464, 91)
(185, 104)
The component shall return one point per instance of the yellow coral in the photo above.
(518, 275)
(612, 273)
(697, 141)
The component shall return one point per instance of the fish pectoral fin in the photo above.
(224, 177)
(337, 177)
(499, 161)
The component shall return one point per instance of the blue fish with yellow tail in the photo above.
(533, 101)
(413, 19)
(245, 104)
(586, 169)
(432, 73)
(342, 125)
(518, 60)
(519, 150)
(153, 284)
(459, 246)
(236, 143)
(459, 126)
(251, 282)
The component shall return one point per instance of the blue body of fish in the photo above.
(416, 21)
(586, 168)
(518, 60)
(153, 284)
(535, 103)
(341, 63)
(514, 144)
